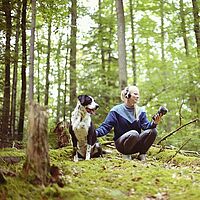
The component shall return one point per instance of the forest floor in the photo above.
(108, 178)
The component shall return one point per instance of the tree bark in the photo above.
(32, 48)
(37, 163)
(66, 79)
(133, 50)
(6, 96)
(23, 73)
(121, 44)
(73, 55)
(101, 45)
(162, 31)
(38, 67)
(58, 115)
(14, 84)
(46, 98)
(196, 27)
(183, 28)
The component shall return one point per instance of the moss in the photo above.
(112, 177)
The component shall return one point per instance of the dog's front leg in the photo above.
(74, 142)
(75, 153)
(88, 152)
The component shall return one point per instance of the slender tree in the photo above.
(162, 30)
(100, 28)
(195, 98)
(110, 41)
(73, 53)
(14, 84)
(46, 99)
(196, 27)
(183, 28)
(32, 43)
(185, 41)
(121, 44)
(38, 67)
(59, 79)
(23, 73)
(133, 50)
(6, 97)
(66, 79)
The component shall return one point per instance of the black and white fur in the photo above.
(82, 130)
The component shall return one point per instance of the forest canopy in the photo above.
(53, 50)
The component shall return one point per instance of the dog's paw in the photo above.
(87, 157)
(76, 158)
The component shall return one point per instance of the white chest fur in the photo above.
(81, 121)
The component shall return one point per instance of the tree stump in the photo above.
(37, 164)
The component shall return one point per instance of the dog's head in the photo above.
(88, 103)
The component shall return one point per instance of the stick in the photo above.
(164, 138)
(179, 150)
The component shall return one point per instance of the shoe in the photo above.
(142, 157)
(126, 157)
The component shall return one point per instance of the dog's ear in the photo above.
(84, 99)
(81, 98)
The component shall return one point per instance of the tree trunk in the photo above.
(14, 85)
(58, 116)
(37, 163)
(185, 41)
(162, 31)
(121, 44)
(32, 42)
(6, 97)
(133, 51)
(48, 65)
(196, 27)
(66, 78)
(73, 55)
(24, 61)
(38, 68)
(183, 28)
(101, 44)
(109, 44)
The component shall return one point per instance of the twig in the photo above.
(171, 133)
(179, 150)
(107, 143)
(110, 146)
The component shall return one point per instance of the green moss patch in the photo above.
(110, 177)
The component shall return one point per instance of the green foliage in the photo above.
(172, 81)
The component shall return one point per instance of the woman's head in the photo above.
(130, 95)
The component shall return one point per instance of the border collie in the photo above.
(82, 131)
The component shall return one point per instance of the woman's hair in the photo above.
(127, 91)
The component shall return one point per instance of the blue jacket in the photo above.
(124, 119)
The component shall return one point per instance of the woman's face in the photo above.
(134, 97)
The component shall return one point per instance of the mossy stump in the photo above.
(37, 164)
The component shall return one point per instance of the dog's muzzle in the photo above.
(92, 111)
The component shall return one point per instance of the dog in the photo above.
(82, 130)
(63, 136)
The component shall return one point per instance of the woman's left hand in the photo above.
(157, 118)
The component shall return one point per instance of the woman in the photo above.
(133, 133)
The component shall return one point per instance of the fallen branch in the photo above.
(164, 138)
(179, 150)
(184, 152)
(187, 152)
(107, 143)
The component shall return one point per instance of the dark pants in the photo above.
(133, 142)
